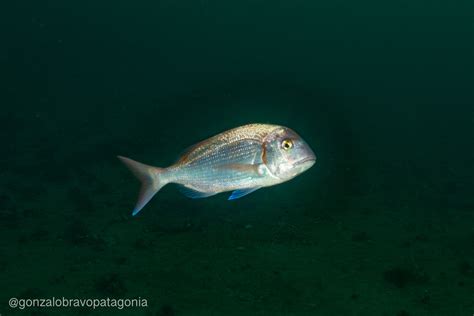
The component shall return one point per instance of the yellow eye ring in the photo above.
(287, 144)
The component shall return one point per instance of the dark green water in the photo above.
(382, 91)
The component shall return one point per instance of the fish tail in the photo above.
(151, 179)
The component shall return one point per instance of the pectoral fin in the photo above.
(241, 168)
(237, 194)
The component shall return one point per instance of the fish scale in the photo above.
(251, 132)
(207, 171)
(242, 160)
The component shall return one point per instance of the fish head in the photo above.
(287, 154)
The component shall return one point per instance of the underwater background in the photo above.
(382, 91)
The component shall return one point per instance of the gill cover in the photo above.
(283, 150)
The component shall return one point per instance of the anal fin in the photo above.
(237, 194)
(194, 194)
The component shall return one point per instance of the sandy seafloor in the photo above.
(264, 257)
(347, 242)
(383, 224)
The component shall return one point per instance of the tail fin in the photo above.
(151, 178)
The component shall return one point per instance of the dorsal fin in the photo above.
(183, 158)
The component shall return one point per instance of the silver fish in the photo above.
(243, 160)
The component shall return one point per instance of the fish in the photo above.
(242, 160)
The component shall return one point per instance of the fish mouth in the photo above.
(310, 159)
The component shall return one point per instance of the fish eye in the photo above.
(287, 144)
